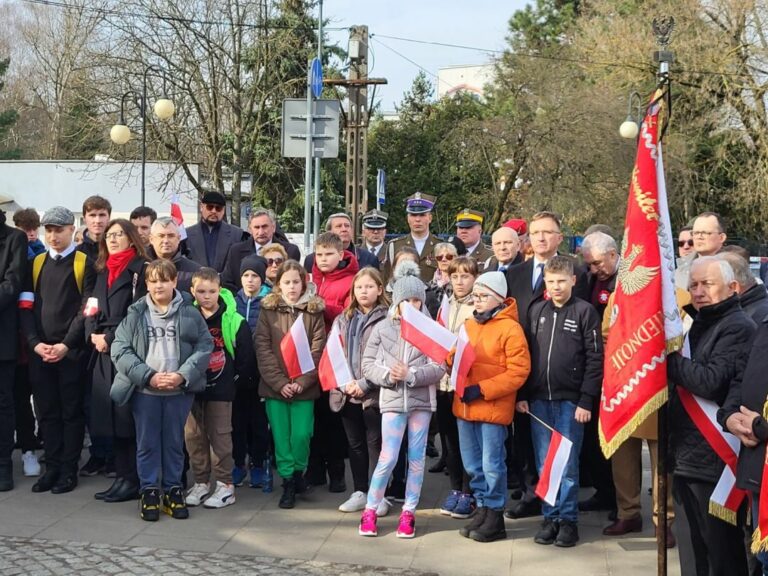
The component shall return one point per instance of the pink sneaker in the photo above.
(407, 526)
(368, 523)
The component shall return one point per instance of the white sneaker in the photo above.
(383, 508)
(197, 494)
(355, 503)
(224, 495)
(31, 465)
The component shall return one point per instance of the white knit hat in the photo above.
(496, 282)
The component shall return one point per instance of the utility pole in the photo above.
(316, 219)
(356, 124)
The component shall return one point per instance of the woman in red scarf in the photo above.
(119, 283)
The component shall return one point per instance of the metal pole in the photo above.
(316, 227)
(144, 138)
(308, 166)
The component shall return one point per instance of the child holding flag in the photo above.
(357, 402)
(290, 396)
(407, 378)
(562, 388)
(484, 400)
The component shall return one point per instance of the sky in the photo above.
(475, 23)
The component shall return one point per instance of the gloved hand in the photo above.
(471, 393)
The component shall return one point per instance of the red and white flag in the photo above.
(178, 218)
(333, 369)
(91, 307)
(297, 354)
(554, 466)
(462, 362)
(424, 334)
(443, 311)
(26, 300)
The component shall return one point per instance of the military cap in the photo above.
(375, 219)
(419, 203)
(468, 218)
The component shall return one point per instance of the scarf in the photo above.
(118, 262)
(483, 317)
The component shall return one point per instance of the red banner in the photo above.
(635, 381)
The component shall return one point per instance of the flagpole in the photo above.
(662, 29)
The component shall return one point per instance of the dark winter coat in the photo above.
(720, 340)
(754, 302)
(108, 419)
(14, 268)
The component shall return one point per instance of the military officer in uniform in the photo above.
(469, 229)
(419, 209)
(374, 232)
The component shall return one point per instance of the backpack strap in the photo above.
(37, 266)
(79, 264)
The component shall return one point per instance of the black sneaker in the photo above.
(568, 534)
(93, 467)
(492, 528)
(149, 507)
(174, 504)
(547, 533)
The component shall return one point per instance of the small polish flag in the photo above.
(462, 362)
(26, 300)
(443, 311)
(554, 466)
(178, 218)
(297, 354)
(425, 334)
(333, 369)
(91, 307)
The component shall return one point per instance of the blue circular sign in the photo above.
(317, 77)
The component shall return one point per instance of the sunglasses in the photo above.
(447, 257)
(681, 243)
(214, 207)
(274, 261)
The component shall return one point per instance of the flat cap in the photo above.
(57, 216)
(214, 197)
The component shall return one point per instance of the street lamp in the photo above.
(164, 109)
(630, 127)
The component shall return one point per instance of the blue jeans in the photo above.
(484, 456)
(762, 557)
(560, 415)
(160, 437)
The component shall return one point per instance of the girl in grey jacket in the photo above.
(407, 380)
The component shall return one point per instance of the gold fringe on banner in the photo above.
(720, 511)
(675, 344)
(626, 431)
(759, 543)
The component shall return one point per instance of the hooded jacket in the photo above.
(130, 345)
(720, 339)
(249, 307)
(501, 366)
(384, 348)
(337, 397)
(275, 320)
(334, 287)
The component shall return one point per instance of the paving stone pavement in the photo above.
(32, 557)
(57, 535)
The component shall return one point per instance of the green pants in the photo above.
(292, 424)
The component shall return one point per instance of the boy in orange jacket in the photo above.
(486, 408)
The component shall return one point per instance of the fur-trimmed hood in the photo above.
(308, 302)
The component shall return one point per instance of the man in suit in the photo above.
(261, 225)
(419, 209)
(525, 283)
(505, 244)
(341, 225)
(374, 232)
(209, 240)
(469, 229)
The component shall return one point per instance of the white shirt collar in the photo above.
(66, 252)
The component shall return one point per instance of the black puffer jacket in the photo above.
(751, 391)
(720, 339)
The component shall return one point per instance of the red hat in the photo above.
(518, 225)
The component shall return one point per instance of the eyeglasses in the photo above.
(274, 261)
(446, 257)
(702, 233)
(114, 235)
(214, 207)
(482, 296)
(681, 243)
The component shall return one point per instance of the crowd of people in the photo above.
(170, 354)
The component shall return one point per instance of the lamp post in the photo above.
(630, 127)
(164, 109)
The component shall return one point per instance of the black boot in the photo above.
(475, 523)
(299, 483)
(6, 476)
(128, 490)
(288, 499)
(46, 481)
(492, 528)
(109, 491)
(336, 469)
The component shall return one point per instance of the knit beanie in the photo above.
(407, 283)
(496, 282)
(256, 264)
